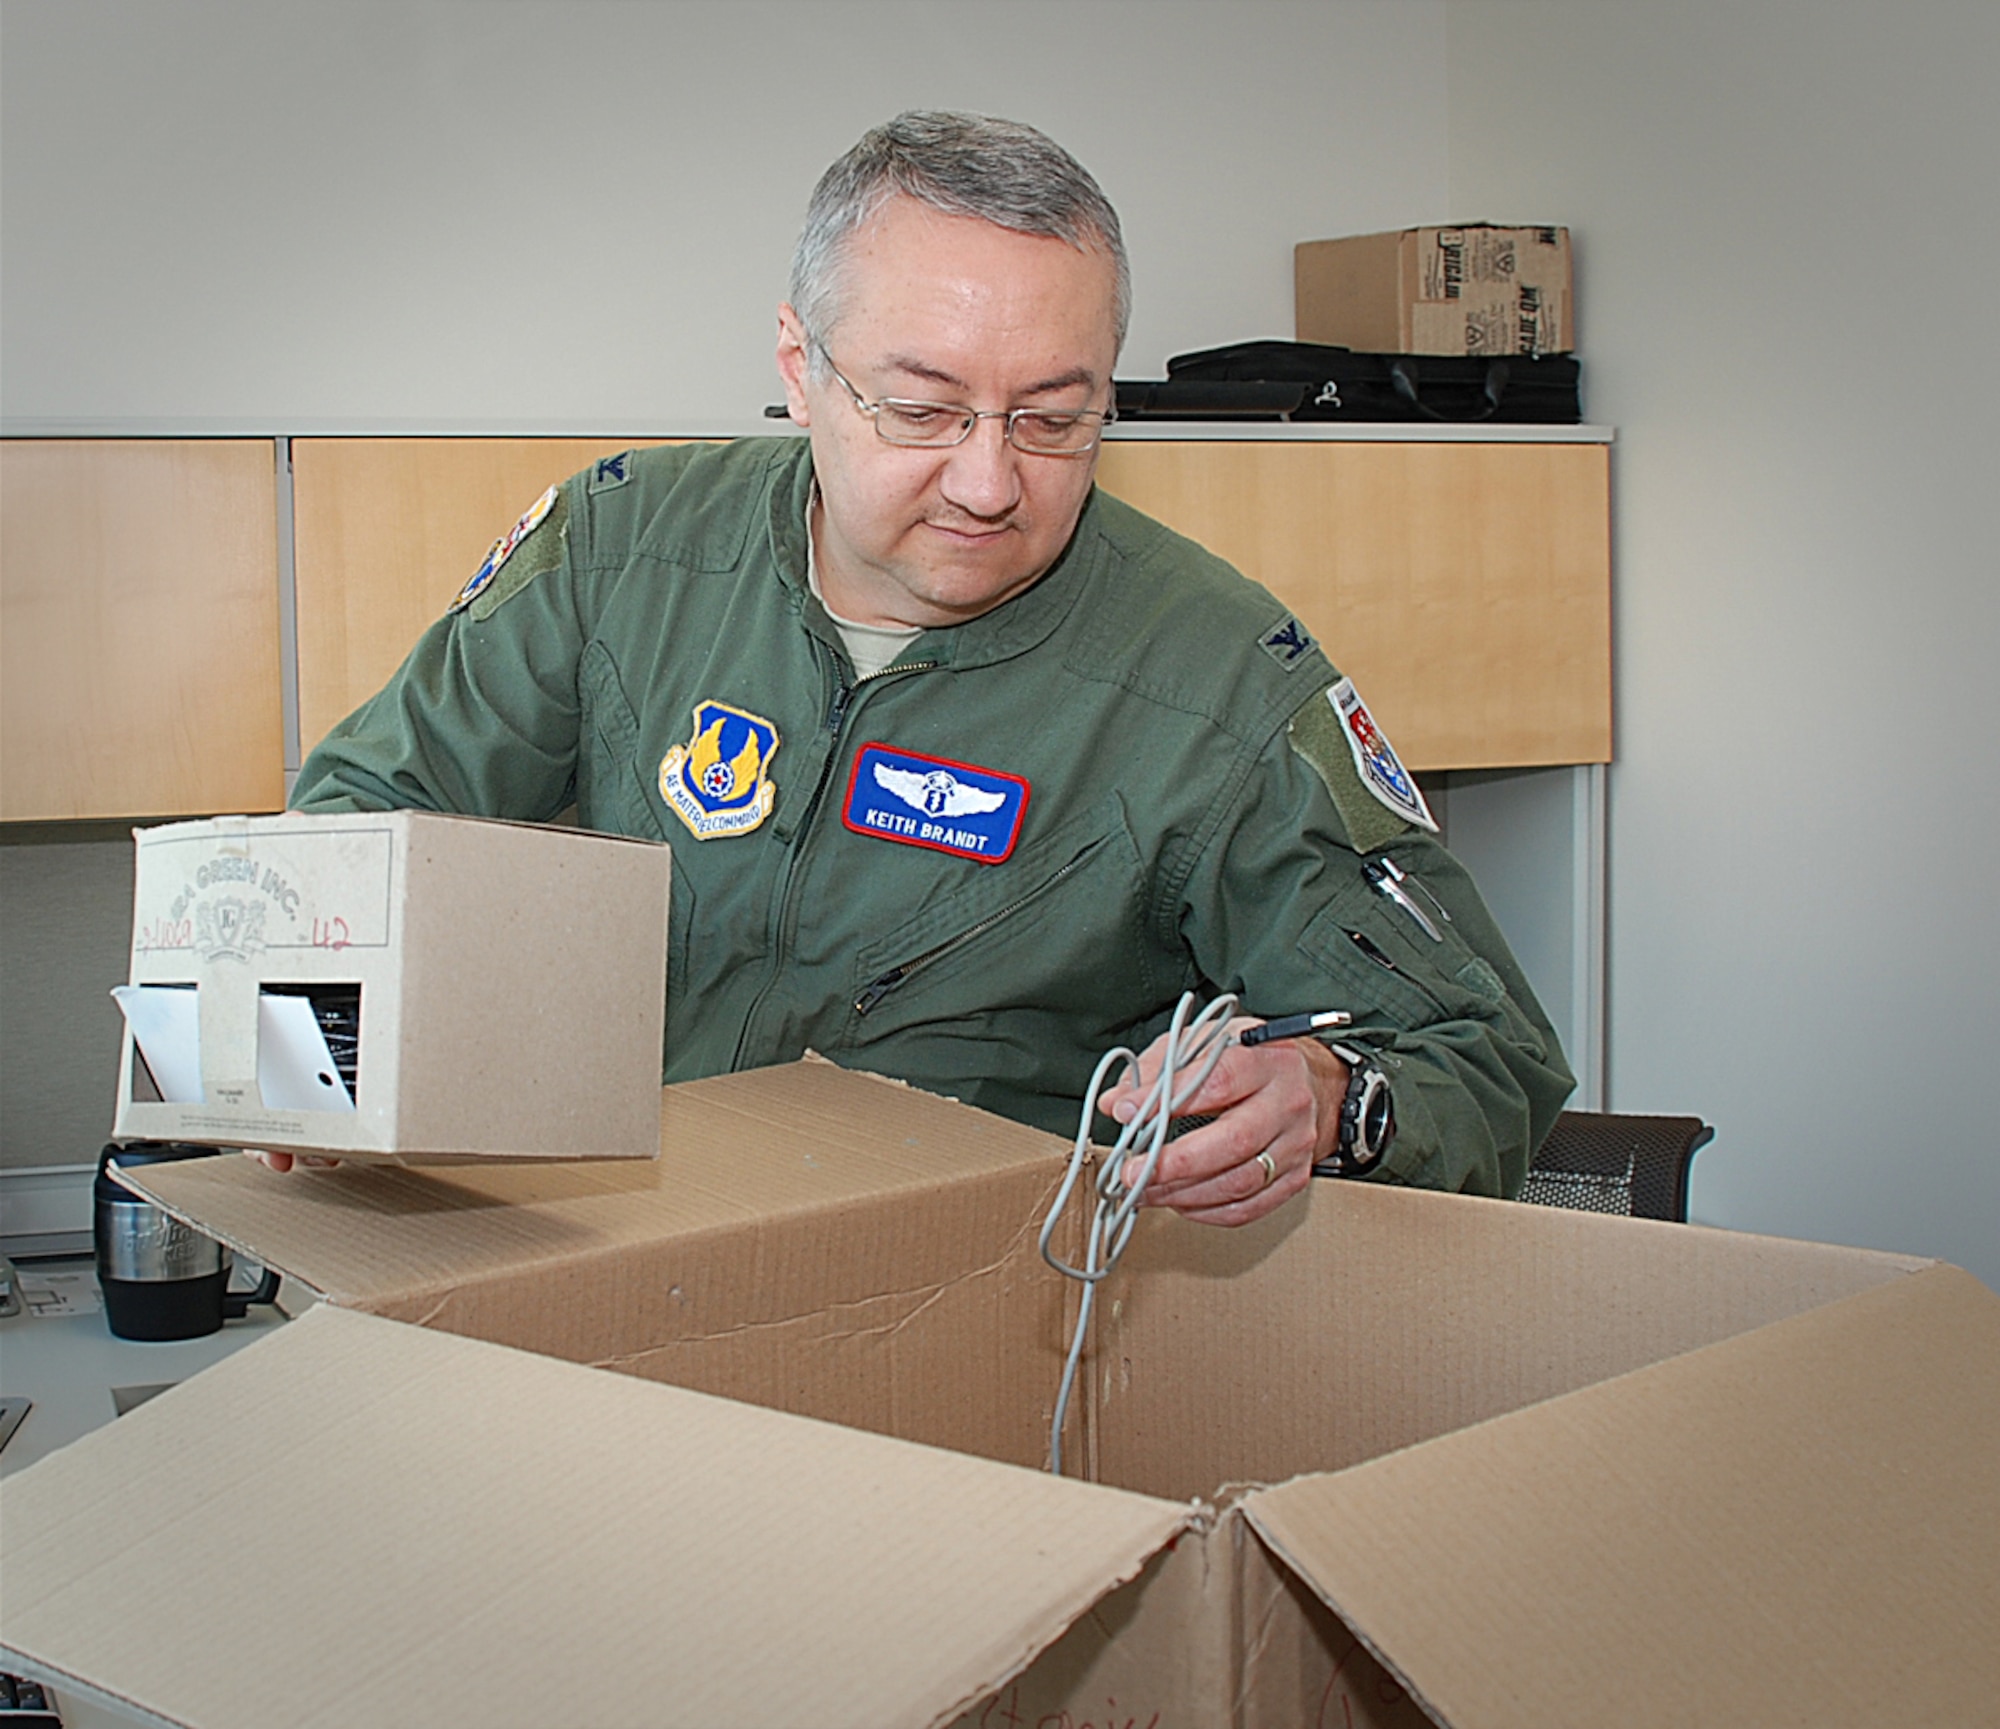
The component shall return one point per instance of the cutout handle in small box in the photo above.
(307, 1043)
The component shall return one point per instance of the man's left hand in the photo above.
(1281, 1100)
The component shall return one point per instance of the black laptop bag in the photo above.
(1311, 381)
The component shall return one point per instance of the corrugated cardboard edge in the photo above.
(1445, 1566)
(863, 1561)
(238, 1226)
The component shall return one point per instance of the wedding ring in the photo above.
(1270, 1170)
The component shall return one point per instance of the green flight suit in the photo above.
(1192, 817)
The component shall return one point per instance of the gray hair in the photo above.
(964, 165)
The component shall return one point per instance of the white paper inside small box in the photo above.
(401, 986)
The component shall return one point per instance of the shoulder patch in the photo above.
(1375, 760)
(531, 547)
(1288, 643)
(1373, 807)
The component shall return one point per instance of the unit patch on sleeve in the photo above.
(718, 782)
(928, 801)
(1382, 773)
(503, 549)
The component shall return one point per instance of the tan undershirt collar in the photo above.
(870, 646)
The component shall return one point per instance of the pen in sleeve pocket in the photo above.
(1389, 878)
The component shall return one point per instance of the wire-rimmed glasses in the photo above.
(940, 425)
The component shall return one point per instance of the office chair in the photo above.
(1615, 1162)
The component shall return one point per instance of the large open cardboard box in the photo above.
(508, 979)
(1382, 1455)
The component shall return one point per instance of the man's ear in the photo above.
(793, 363)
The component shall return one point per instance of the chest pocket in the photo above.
(610, 778)
(1054, 936)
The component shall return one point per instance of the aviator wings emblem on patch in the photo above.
(938, 793)
(718, 783)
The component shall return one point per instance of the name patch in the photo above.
(930, 802)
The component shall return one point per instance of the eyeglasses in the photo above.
(940, 425)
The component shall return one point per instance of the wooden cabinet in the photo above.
(139, 636)
(386, 530)
(1465, 587)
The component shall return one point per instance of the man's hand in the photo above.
(1281, 1099)
(290, 1161)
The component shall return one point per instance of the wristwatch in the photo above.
(1367, 1118)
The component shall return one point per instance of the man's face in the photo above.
(949, 309)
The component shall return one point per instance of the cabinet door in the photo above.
(139, 590)
(386, 530)
(1466, 588)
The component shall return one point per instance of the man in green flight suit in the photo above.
(971, 770)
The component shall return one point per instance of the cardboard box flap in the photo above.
(399, 1526)
(734, 1149)
(1799, 1525)
(1496, 1307)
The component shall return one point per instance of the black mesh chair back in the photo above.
(1616, 1162)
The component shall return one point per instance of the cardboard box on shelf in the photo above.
(401, 986)
(1385, 1458)
(1474, 289)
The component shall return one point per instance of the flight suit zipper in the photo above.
(876, 989)
(836, 718)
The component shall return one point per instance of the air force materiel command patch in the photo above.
(1375, 761)
(930, 802)
(502, 549)
(717, 783)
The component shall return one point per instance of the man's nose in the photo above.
(983, 475)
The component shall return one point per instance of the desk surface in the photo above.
(63, 1356)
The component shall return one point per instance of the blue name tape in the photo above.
(929, 801)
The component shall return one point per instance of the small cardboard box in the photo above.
(500, 988)
(1382, 1459)
(1470, 290)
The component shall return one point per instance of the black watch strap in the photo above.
(1367, 1118)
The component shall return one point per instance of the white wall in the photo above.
(551, 213)
(1788, 245)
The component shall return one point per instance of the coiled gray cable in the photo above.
(1194, 1043)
